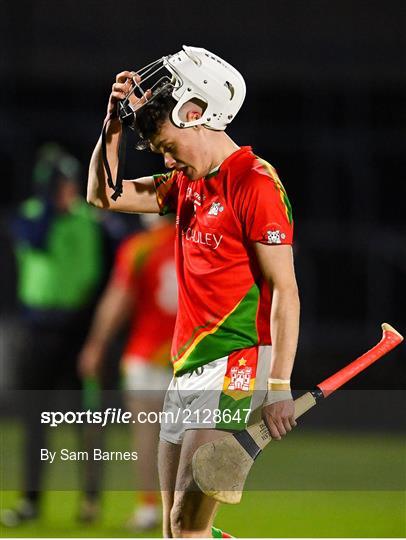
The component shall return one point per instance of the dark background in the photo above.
(326, 86)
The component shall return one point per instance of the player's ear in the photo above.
(193, 115)
(190, 111)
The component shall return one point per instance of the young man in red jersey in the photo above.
(238, 315)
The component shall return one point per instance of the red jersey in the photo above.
(145, 266)
(224, 301)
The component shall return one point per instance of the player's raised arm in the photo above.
(137, 195)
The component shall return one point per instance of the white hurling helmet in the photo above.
(193, 73)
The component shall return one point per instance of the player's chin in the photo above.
(190, 173)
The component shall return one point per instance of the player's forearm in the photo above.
(284, 331)
(98, 192)
(138, 195)
(111, 313)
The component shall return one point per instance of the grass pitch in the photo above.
(261, 514)
(323, 485)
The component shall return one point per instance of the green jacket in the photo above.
(63, 270)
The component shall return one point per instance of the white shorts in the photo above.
(140, 375)
(219, 395)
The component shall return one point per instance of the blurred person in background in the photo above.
(142, 288)
(59, 255)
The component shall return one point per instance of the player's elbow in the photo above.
(94, 201)
(96, 188)
(292, 292)
(285, 287)
(286, 294)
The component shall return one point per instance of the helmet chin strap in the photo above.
(126, 116)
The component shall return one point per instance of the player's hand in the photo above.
(90, 360)
(279, 418)
(124, 83)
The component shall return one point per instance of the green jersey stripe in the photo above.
(236, 331)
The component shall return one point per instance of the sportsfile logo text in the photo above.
(111, 415)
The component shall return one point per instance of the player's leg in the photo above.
(192, 512)
(83, 395)
(171, 436)
(145, 436)
(168, 462)
(218, 397)
(92, 436)
(37, 377)
(145, 385)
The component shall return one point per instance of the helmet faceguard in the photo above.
(193, 74)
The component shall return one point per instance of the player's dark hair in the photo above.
(151, 117)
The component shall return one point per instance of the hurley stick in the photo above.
(221, 467)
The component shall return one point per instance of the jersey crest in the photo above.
(240, 379)
(275, 237)
(215, 209)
